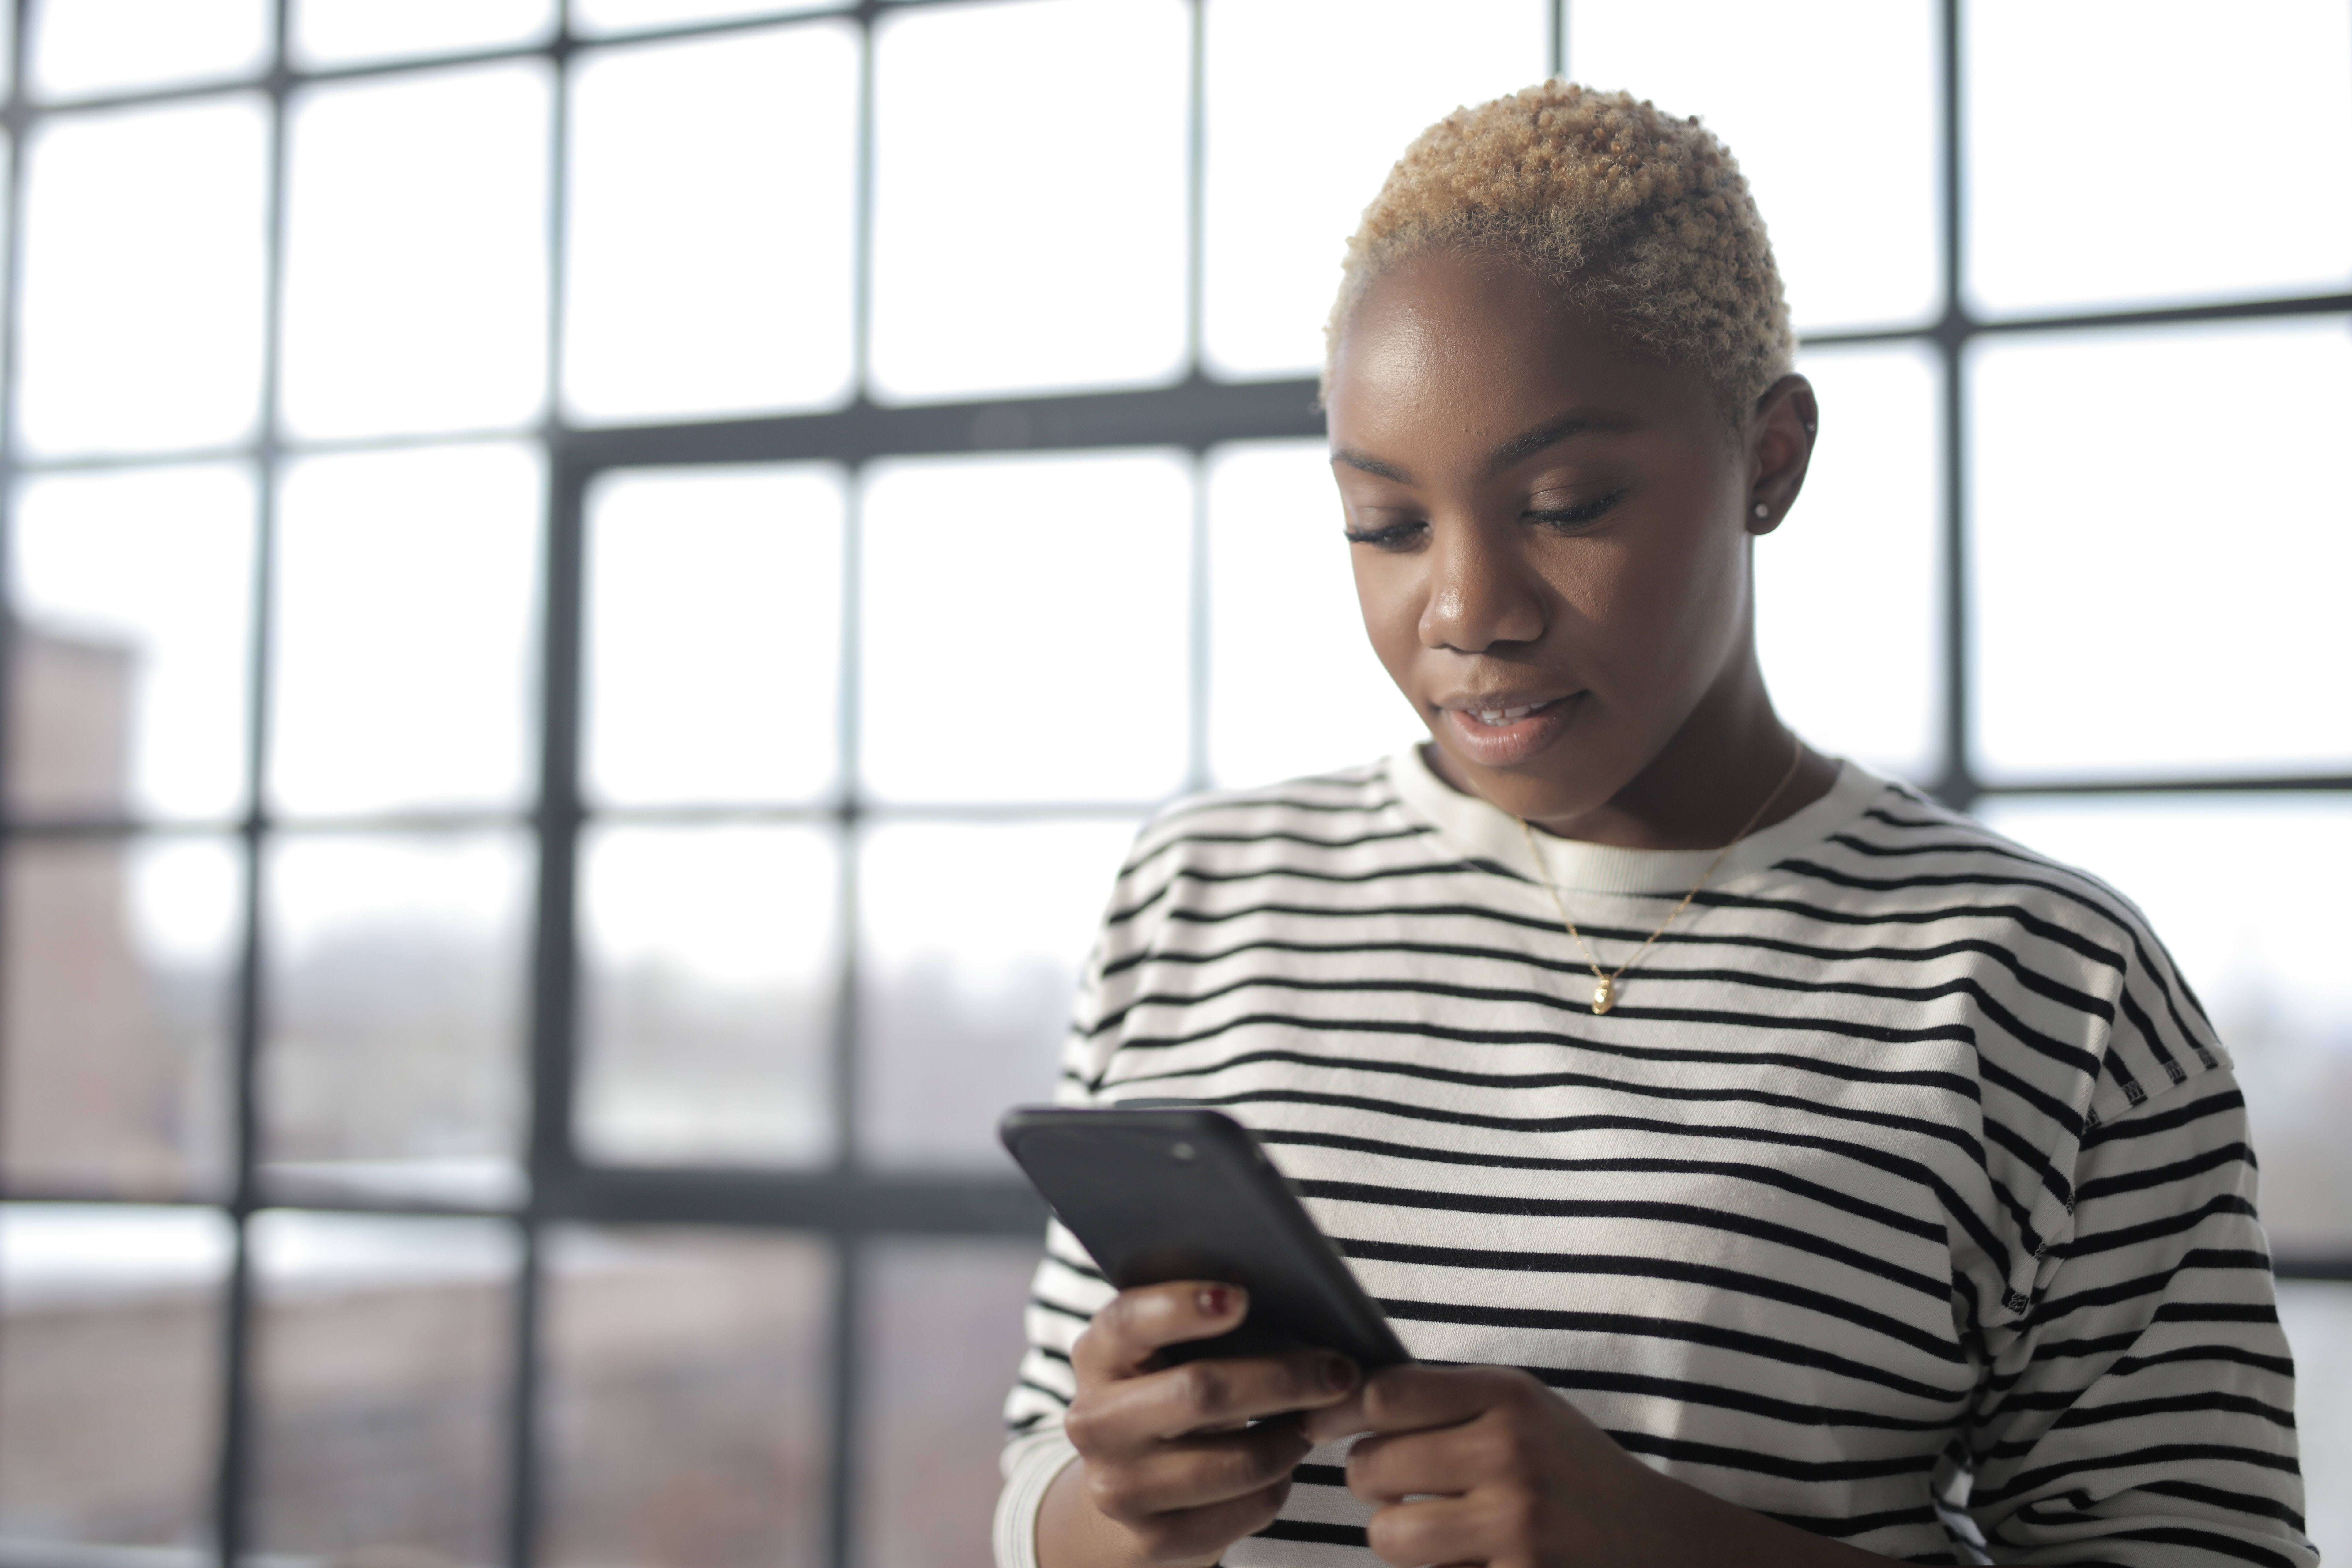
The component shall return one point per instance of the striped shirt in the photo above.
(1905, 1194)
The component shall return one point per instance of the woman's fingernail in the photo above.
(1337, 1373)
(1216, 1302)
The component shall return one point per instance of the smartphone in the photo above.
(1187, 1194)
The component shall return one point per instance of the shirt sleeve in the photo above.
(1064, 1296)
(2142, 1414)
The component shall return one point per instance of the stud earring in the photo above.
(1763, 510)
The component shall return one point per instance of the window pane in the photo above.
(1849, 590)
(145, 234)
(2148, 600)
(710, 958)
(417, 253)
(82, 47)
(2318, 1320)
(688, 1377)
(1029, 226)
(1309, 101)
(712, 209)
(404, 663)
(2244, 890)
(1024, 628)
(134, 591)
(1780, 83)
(2071, 203)
(592, 17)
(714, 635)
(383, 1383)
(1282, 598)
(120, 955)
(394, 1063)
(943, 1339)
(353, 32)
(110, 1378)
(971, 939)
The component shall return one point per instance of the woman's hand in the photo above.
(1500, 1469)
(1485, 1465)
(1170, 1470)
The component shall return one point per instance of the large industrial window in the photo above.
(595, 596)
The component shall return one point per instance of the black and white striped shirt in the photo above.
(1905, 1194)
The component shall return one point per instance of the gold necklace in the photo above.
(1604, 987)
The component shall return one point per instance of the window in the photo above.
(550, 797)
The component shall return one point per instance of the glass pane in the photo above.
(714, 635)
(405, 660)
(383, 1373)
(1282, 598)
(2318, 1319)
(971, 938)
(2070, 205)
(2260, 933)
(134, 594)
(710, 959)
(1029, 226)
(144, 237)
(353, 32)
(1309, 104)
(120, 955)
(1051, 586)
(1849, 590)
(942, 1341)
(593, 17)
(712, 212)
(417, 253)
(83, 47)
(393, 1061)
(1779, 84)
(110, 1379)
(689, 1374)
(2148, 602)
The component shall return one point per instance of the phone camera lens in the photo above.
(1182, 1150)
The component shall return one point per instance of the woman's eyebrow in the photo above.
(1370, 464)
(1518, 448)
(1575, 423)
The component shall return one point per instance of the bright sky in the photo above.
(2167, 605)
(714, 635)
(1024, 626)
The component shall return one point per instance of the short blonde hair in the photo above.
(1639, 215)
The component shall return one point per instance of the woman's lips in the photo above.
(1518, 731)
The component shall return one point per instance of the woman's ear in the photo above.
(1780, 435)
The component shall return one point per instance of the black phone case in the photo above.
(1165, 1195)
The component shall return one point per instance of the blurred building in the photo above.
(80, 1108)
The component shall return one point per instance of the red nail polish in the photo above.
(1216, 1302)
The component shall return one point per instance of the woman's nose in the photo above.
(1479, 593)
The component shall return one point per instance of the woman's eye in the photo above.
(1389, 536)
(1577, 515)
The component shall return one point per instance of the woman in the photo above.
(1767, 1166)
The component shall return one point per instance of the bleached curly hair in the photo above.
(1636, 214)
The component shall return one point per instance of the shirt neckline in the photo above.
(1487, 833)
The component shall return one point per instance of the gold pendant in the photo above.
(1604, 996)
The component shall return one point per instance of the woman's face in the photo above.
(1550, 534)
